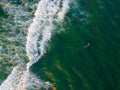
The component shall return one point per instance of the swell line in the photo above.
(39, 33)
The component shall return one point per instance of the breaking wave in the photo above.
(39, 33)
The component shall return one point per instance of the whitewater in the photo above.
(39, 33)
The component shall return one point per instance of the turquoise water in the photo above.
(85, 55)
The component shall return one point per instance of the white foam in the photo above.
(47, 12)
(20, 79)
(13, 79)
(39, 33)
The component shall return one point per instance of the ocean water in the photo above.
(68, 45)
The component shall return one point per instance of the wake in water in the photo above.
(39, 33)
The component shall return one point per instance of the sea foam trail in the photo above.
(39, 33)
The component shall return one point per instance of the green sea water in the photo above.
(85, 54)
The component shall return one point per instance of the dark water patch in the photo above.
(86, 55)
(3, 14)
